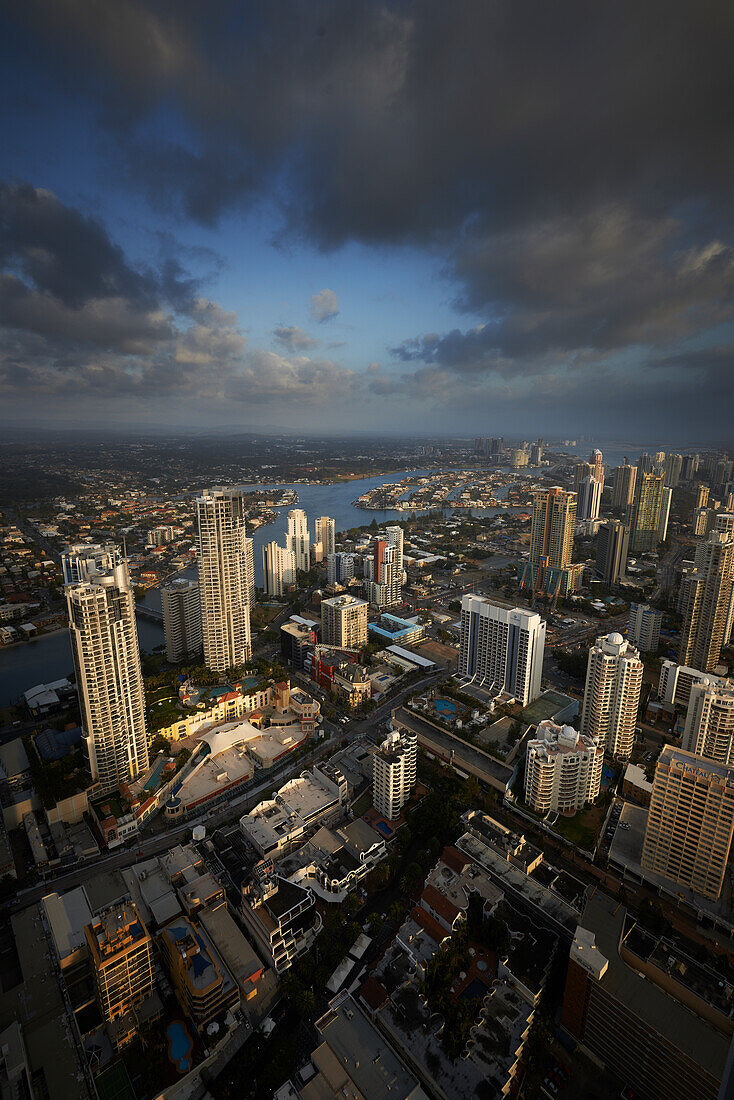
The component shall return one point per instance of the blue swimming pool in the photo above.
(607, 775)
(179, 1046)
(384, 828)
(155, 775)
(446, 706)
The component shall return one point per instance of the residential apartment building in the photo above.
(298, 540)
(707, 603)
(385, 584)
(280, 915)
(611, 551)
(612, 694)
(104, 642)
(596, 461)
(395, 538)
(344, 622)
(340, 568)
(181, 605)
(644, 626)
(82, 560)
(226, 579)
(549, 566)
(665, 503)
(676, 681)
(709, 728)
(325, 530)
(121, 956)
(279, 569)
(690, 821)
(589, 499)
(502, 647)
(625, 477)
(563, 769)
(394, 771)
(643, 514)
(204, 986)
(672, 471)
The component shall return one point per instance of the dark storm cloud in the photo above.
(109, 328)
(569, 165)
(399, 121)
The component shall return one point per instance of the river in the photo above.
(49, 657)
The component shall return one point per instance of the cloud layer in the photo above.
(567, 167)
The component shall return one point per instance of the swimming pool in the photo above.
(179, 1046)
(607, 775)
(384, 828)
(155, 775)
(446, 706)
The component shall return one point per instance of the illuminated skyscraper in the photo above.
(279, 569)
(104, 642)
(596, 461)
(225, 579)
(643, 514)
(706, 601)
(589, 499)
(549, 566)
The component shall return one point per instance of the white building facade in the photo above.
(279, 569)
(298, 540)
(563, 769)
(394, 772)
(709, 728)
(612, 694)
(502, 647)
(104, 641)
(325, 531)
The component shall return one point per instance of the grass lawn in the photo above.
(362, 804)
(583, 828)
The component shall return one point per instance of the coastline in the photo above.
(34, 638)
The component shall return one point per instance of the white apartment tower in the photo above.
(225, 579)
(644, 627)
(612, 694)
(589, 499)
(344, 622)
(104, 641)
(279, 569)
(502, 647)
(395, 538)
(563, 769)
(326, 535)
(181, 619)
(82, 560)
(298, 540)
(709, 729)
(394, 769)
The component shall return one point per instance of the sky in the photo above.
(470, 217)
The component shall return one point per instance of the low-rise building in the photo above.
(281, 916)
(275, 825)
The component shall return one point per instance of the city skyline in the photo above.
(173, 257)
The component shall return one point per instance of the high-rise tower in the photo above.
(104, 641)
(612, 694)
(643, 514)
(625, 477)
(298, 540)
(225, 579)
(706, 598)
(326, 535)
(549, 566)
(181, 618)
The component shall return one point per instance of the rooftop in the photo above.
(701, 1042)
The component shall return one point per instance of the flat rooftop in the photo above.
(465, 756)
(625, 853)
(216, 773)
(68, 915)
(701, 1042)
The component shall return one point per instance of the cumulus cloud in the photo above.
(112, 328)
(292, 338)
(324, 305)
